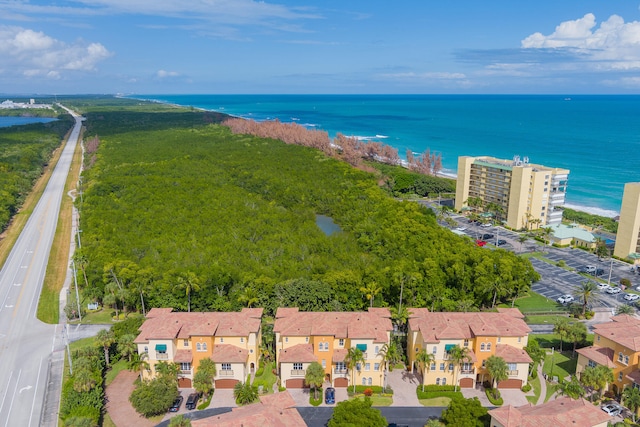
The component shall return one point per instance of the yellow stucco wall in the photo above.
(629, 225)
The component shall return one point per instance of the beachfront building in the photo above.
(572, 235)
(230, 339)
(483, 334)
(628, 236)
(326, 337)
(616, 345)
(523, 195)
(562, 411)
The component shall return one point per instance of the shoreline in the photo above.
(445, 173)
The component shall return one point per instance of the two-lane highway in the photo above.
(25, 342)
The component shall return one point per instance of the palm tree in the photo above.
(585, 292)
(400, 317)
(631, 399)
(546, 232)
(561, 327)
(353, 361)
(424, 360)
(139, 363)
(126, 346)
(497, 368)
(83, 377)
(370, 290)
(576, 332)
(81, 261)
(458, 355)
(603, 377)
(522, 238)
(249, 296)
(180, 421)
(572, 388)
(168, 370)
(190, 283)
(104, 339)
(314, 377)
(625, 309)
(245, 393)
(390, 354)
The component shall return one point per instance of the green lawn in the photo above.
(553, 340)
(378, 400)
(97, 317)
(537, 388)
(550, 319)
(536, 303)
(559, 364)
(267, 379)
(120, 365)
(436, 401)
(551, 389)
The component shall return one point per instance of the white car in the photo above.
(486, 225)
(632, 297)
(612, 409)
(461, 228)
(565, 299)
(614, 291)
(603, 286)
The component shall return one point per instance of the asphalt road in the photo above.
(26, 344)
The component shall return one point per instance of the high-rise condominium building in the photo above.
(628, 236)
(523, 194)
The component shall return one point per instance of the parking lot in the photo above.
(556, 281)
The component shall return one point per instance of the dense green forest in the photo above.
(177, 211)
(24, 152)
(401, 181)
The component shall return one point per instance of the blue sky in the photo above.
(329, 46)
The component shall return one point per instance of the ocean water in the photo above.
(6, 121)
(596, 137)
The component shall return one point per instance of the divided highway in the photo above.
(26, 344)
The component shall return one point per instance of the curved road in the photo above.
(26, 343)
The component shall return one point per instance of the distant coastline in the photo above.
(593, 136)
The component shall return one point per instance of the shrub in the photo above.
(561, 263)
(318, 401)
(526, 388)
(360, 389)
(625, 282)
(589, 315)
(154, 397)
(534, 374)
(259, 372)
(493, 394)
(437, 391)
(368, 392)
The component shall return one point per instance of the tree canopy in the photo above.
(356, 413)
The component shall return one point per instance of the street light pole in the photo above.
(610, 268)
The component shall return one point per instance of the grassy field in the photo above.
(550, 319)
(537, 388)
(378, 400)
(559, 364)
(267, 379)
(553, 341)
(536, 303)
(48, 305)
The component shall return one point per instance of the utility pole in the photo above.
(75, 281)
(66, 343)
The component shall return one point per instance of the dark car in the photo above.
(487, 236)
(192, 401)
(599, 272)
(175, 406)
(330, 395)
(502, 242)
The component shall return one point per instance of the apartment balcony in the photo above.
(467, 373)
(298, 372)
(340, 373)
(225, 372)
(512, 373)
(162, 356)
(185, 372)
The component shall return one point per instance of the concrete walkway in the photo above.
(403, 384)
(543, 387)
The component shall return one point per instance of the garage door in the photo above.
(296, 383)
(466, 383)
(341, 382)
(184, 383)
(513, 383)
(228, 383)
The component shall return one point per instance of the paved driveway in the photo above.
(118, 406)
(223, 398)
(404, 386)
(301, 395)
(513, 397)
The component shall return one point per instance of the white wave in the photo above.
(382, 136)
(295, 119)
(593, 210)
(310, 125)
(368, 138)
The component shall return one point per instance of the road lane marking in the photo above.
(6, 392)
(35, 392)
(25, 389)
(13, 397)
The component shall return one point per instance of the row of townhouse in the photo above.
(232, 341)
(616, 345)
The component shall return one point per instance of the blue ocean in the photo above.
(596, 137)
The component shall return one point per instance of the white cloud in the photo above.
(613, 45)
(163, 74)
(426, 76)
(32, 53)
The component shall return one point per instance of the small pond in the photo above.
(6, 121)
(327, 225)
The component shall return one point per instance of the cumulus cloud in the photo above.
(33, 53)
(613, 44)
(164, 74)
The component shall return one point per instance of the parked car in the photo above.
(612, 409)
(461, 228)
(591, 269)
(613, 290)
(603, 286)
(501, 242)
(487, 236)
(330, 395)
(486, 225)
(192, 401)
(175, 406)
(481, 243)
(632, 297)
(565, 299)
(599, 271)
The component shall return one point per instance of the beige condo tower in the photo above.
(628, 236)
(529, 195)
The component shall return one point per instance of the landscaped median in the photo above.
(437, 395)
(379, 396)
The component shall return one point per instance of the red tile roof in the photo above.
(600, 355)
(623, 330)
(512, 354)
(560, 412)
(298, 353)
(634, 376)
(227, 353)
(339, 355)
(183, 356)
(436, 326)
(163, 323)
(373, 324)
(274, 410)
